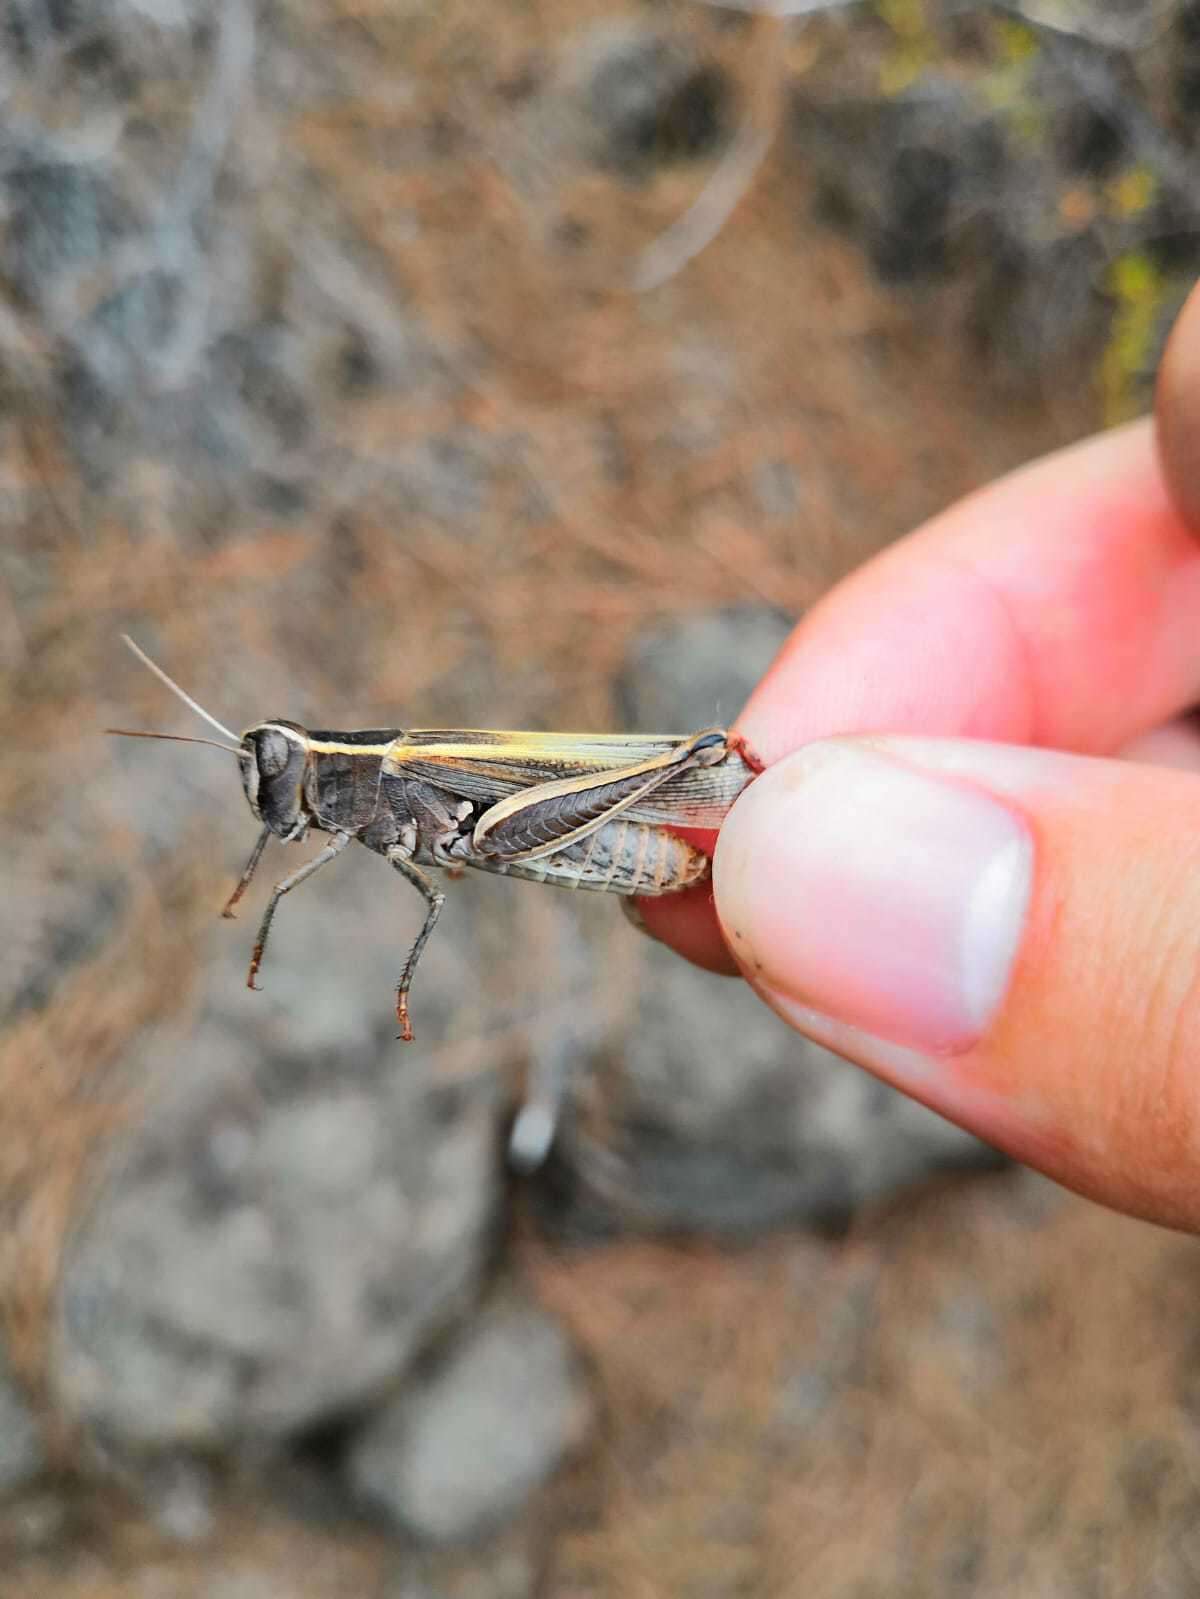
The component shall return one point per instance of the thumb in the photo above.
(1010, 935)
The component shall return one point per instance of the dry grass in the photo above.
(920, 1410)
(266, 1552)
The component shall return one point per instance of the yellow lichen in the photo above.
(1016, 42)
(1005, 86)
(906, 18)
(1138, 289)
(915, 46)
(1132, 191)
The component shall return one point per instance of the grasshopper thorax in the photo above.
(273, 773)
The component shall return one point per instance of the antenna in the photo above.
(179, 694)
(179, 738)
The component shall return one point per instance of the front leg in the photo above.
(398, 856)
(244, 880)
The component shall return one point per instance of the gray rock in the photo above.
(699, 671)
(461, 1449)
(22, 1455)
(281, 1237)
(446, 479)
(35, 1523)
(503, 1567)
(649, 99)
(727, 1122)
(60, 216)
(177, 1494)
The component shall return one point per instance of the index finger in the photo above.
(1055, 607)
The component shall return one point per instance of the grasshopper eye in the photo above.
(274, 752)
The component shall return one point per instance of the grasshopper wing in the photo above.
(488, 766)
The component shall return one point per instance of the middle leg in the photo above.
(435, 899)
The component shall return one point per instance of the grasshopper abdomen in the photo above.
(621, 857)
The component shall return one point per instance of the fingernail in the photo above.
(876, 892)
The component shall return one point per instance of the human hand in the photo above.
(1007, 930)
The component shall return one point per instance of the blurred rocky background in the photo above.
(536, 364)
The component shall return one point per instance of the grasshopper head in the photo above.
(273, 774)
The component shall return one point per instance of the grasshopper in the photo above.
(578, 810)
